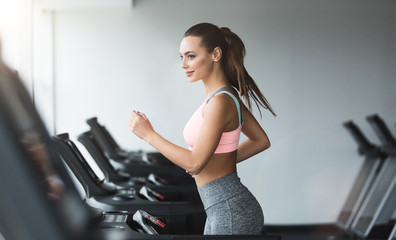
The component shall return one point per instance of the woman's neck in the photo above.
(214, 83)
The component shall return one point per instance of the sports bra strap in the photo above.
(221, 90)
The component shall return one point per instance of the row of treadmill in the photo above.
(142, 195)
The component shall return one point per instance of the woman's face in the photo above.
(196, 61)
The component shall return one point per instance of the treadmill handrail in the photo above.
(384, 134)
(80, 168)
(110, 173)
(381, 129)
(365, 147)
(102, 139)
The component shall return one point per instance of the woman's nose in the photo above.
(183, 64)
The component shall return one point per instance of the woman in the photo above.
(215, 56)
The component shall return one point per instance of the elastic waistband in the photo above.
(221, 189)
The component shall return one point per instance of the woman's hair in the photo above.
(233, 53)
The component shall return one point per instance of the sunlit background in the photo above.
(319, 63)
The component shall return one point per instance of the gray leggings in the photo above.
(230, 207)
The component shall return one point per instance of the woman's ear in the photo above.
(217, 54)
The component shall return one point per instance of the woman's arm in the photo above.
(257, 139)
(194, 160)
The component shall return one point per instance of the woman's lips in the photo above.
(189, 73)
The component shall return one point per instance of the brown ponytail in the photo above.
(234, 52)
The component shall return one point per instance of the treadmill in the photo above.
(183, 216)
(135, 163)
(374, 218)
(26, 209)
(117, 177)
(109, 159)
(113, 149)
(374, 159)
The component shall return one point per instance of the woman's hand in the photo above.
(140, 125)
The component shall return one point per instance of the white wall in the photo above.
(318, 62)
(16, 36)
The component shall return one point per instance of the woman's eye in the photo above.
(188, 56)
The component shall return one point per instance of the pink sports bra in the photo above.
(229, 141)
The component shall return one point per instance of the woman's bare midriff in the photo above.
(219, 166)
